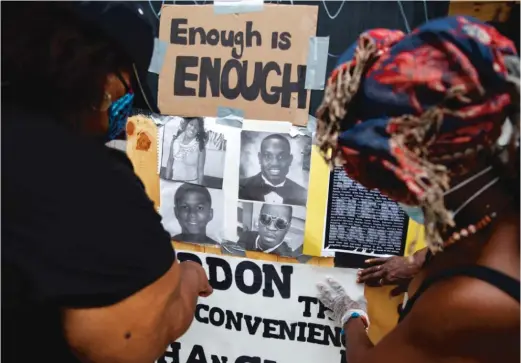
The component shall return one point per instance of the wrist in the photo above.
(356, 314)
(419, 258)
(355, 323)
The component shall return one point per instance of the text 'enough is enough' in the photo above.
(218, 73)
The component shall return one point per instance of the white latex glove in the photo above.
(334, 297)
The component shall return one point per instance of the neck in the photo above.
(264, 246)
(186, 138)
(274, 182)
(195, 237)
(475, 203)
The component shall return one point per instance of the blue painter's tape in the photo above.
(311, 125)
(158, 56)
(316, 66)
(229, 116)
(237, 6)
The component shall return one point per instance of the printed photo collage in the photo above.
(241, 189)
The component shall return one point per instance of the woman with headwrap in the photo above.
(431, 119)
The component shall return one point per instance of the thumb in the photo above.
(329, 314)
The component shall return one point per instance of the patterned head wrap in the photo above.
(402, 113)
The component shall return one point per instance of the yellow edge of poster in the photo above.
(317, 204)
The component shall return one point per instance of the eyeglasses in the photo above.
(279, 223)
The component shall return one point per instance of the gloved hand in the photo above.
(334, 297)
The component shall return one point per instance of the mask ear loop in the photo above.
(128, 89)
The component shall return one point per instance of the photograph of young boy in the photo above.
(193, 210)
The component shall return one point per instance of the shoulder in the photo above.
(93, 207)
(210, 240)
(295, 186)
(286, 251)
(298, 252)
(246, 182)
(247, 239)
(456, 314)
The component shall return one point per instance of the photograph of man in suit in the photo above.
(274, 224)
(271, 184)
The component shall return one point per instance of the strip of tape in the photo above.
(237, 6)
(308, 130)
(229, 116)
(233, 249)
(311, 126)
(316, 66)
(158, 56)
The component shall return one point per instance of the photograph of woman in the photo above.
(192, 154)
(186, 156)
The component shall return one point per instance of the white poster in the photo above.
(261, 312)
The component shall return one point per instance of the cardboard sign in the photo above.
(262, 312)
(255, 62)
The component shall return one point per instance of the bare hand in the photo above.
(393, 270)
(200, 280)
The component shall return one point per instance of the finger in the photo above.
(376, 261)
(206, 292)
(324, 294)
(329, 314)
(372, 277)
(375, 280)
(370, 270)
(335, 285)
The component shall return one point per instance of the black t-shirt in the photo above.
(78, 230)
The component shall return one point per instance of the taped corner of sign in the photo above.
(158, 56)
(316, 66)
(237, 6)
(229, 116)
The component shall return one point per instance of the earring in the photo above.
(107, 101)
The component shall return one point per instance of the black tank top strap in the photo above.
(498, 279)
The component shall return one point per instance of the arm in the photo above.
(359, 348)
(123, 295)
(139, 328)
(408, 343)
(441, 326)
(200, 166)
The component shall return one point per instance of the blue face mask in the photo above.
(118, 115)
(414, 212)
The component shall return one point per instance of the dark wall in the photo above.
(342, 21)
